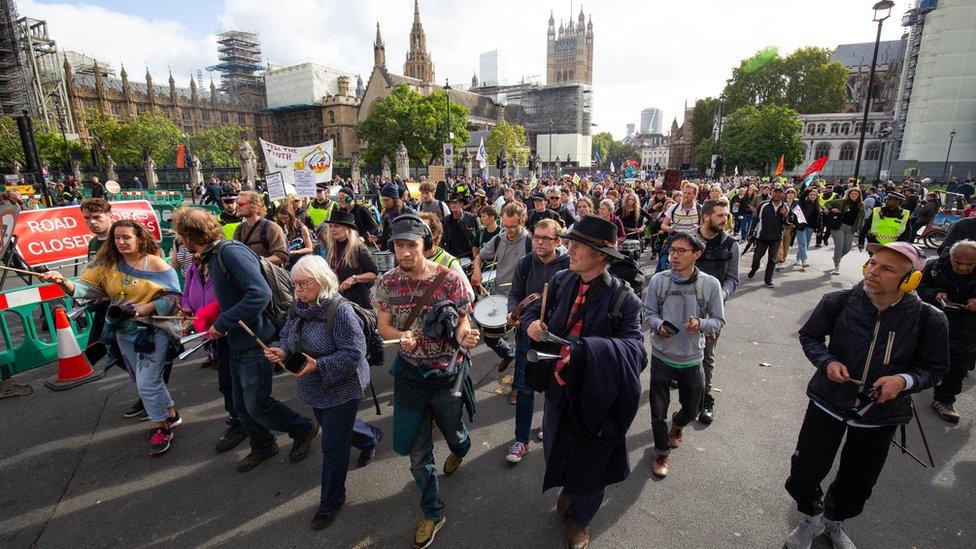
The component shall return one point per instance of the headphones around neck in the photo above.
(428, 236)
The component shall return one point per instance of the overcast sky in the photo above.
(647, 53)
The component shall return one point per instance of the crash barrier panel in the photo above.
(24, 349)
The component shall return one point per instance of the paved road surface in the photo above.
(73, 471)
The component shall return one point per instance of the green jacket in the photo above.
(839, 204)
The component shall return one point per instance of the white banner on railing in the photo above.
(316, 159)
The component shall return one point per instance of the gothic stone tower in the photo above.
(418, 64)
(569, 54)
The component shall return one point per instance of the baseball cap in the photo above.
(407, 227)
(911, 251)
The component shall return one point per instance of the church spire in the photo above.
(418, 63)
(379, 51)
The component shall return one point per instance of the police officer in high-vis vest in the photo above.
(228, 218)
(889, 223)
(320, 210)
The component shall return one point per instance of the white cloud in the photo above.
(646, 53)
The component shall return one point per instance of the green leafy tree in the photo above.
(419, 122)
(10, 148)
(602, 143)
(756, 81)
(756, 137)
(132, 142)
(218, 146)
(814, 84)
(703, 119)
(509, 141)
(50, 146)
(703, 153)
(614, 151)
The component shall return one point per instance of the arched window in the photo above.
(821, 128)
(872, 151)
(846, 151)
(812, 129)
(870, 129)
(331, 117)
(821, 151)
(834, 128)
(845, 128)
(804, 148)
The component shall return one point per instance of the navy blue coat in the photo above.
(586, 421)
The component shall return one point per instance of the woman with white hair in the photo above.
(323, 345)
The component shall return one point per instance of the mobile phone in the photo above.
(671, 329)
(295, 362)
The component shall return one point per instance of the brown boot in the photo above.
(513, 397)
(577, 537)
(674, 435)
(660, 465)
(562, 504)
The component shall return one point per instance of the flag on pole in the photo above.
(597, 158)
(612, 169)
(779, 167)
(576, 178)
(181, 156)
(814, 170)
(482, 157)
(533, 182)
(736, 174)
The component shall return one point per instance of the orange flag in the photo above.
(779, 167)
(180, 156)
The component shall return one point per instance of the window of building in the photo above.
(186, 114)
(205, 116)
(872, 151)
(870, 127)
(821, 128)
(822, 150)
(845, 128)
(834, 128)
(117, 109)
(224, 117)
(331, 117)
(812, 129)
(846, 152)
(241, 119)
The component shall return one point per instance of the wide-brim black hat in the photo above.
(597, 233)
(344, 218)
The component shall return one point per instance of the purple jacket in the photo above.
(197, 292)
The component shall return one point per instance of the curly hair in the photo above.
(197, 226)
(109, 254)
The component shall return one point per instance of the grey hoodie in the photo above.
(679, 304)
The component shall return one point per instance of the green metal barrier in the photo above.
(26, 351)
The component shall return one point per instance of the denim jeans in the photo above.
(689, 395)
(224, 383)
(745, 223)
(259, 412)
(340, 431)
(148, 369)
(445, 410)
(500, 346)
(525, 397)
(803, 243)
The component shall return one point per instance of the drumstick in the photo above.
(391, 341)
(173, 317)
(21, 271)
(258, 339)
(545, 295)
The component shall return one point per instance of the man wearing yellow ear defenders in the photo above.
(871, 346)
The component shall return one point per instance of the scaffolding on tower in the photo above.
(239, 53)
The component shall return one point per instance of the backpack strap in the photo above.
(617, 305)
(264, 222)
(424, 299)
(700, 295)
(663, 292)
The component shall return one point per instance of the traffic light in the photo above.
(718, 165)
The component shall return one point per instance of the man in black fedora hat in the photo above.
(594, 384)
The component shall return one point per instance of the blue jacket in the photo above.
(237, 303)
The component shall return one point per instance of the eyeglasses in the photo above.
(511, 227)
(678, 252)
(303, 284)
(228, 200)
(544, 239)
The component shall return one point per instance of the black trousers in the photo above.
(861, 460)
(768, 248)
(690, 389)
(959, 365)
(224, 383)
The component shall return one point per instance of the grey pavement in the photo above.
(74, 472)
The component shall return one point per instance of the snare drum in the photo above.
(488, 279)
(466, 265)
(490, 314)
(385, 261)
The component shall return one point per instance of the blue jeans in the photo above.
(745, 223)
(445, 410)
(525, 399)
(340, 431)
(500, 346)
(258, 411)
(148, 369)
(803, 242)
(224, 382)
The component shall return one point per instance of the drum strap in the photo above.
(424, 299)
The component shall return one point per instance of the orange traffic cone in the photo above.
(73, 367)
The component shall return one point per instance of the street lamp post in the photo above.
(882, 11)
(718, 137)
(447, 92)
(884, 134)
(945, 167)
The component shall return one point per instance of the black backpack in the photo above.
(278, 279)
(374, 343)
